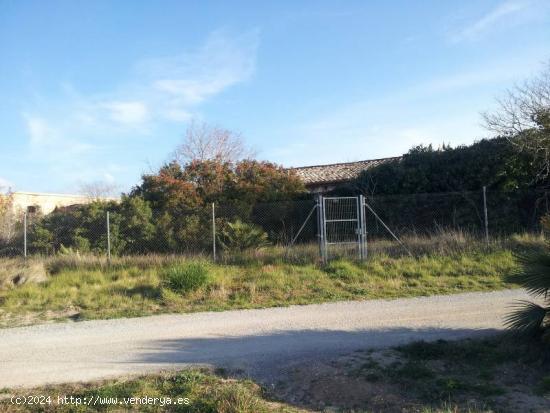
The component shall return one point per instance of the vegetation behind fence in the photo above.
(135, 228)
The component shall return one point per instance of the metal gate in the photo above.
(342, 227)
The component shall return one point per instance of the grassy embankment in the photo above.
(87, 287)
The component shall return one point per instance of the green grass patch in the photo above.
(461, 371)
(90, 288)
(183, 278)
(192, 391)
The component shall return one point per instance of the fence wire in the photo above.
(282, 226)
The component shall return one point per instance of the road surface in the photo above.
(259, 343)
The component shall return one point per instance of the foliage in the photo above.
(530, 318)
(494, 163)
(199, 183)
(8, 221)
(187, 277)
(461, 372)
(239, 236)
(136, 225)
(430, 189)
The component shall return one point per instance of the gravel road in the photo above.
(259, 343)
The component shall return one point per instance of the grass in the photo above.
(483, 371)
(192, 390)
(183, 278)
(88, 287)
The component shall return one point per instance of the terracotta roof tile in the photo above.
(338, 172)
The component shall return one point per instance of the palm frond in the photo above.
(534, 272)
(527, 318)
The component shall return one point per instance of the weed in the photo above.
(187, 277)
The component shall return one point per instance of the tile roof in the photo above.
(337, 172)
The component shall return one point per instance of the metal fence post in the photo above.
(108, 238)
(485, 214)
(321, 228)
(362, 228)
(214, 231)
(25, 235)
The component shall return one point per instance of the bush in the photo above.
(185, 277)
(240, 236)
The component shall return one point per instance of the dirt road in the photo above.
(258, 342)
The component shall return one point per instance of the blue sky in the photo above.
(103, 90)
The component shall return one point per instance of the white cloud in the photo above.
(506, 13)
(390, 124)
(191, 78)
(177, 115)
(169, 89)
(38, 130)
(129, 112)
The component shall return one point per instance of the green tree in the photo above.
(494, 163)
(136, 225)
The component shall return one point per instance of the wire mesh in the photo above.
(276, 229)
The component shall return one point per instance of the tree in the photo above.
(260, 181)
(523, 117)
(98, 190)
(204, 142)
(199, 183)
(8, 219)
(169, 189)
(494, 163)
(136, 226)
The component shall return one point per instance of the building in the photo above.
(320, 179)
(34, 202)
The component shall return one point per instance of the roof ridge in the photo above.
(346, 163)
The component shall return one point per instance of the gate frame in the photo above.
(360, 228)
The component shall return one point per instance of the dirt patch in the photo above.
(15, 273)
(43, 317)
(469, 375)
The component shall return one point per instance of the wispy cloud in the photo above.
(191, 78)
(390, 124)
(128, 112)
(168, 89)
(506, 13)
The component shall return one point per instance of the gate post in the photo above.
(321, 227)
(362, 228)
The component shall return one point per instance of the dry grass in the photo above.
(443, 243)
(205, 393)
(131, 292)
(89, 287)
(15, 272)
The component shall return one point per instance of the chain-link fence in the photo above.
(282, 230)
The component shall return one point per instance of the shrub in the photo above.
(185, 277)
(240, 236)
(530, 318)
